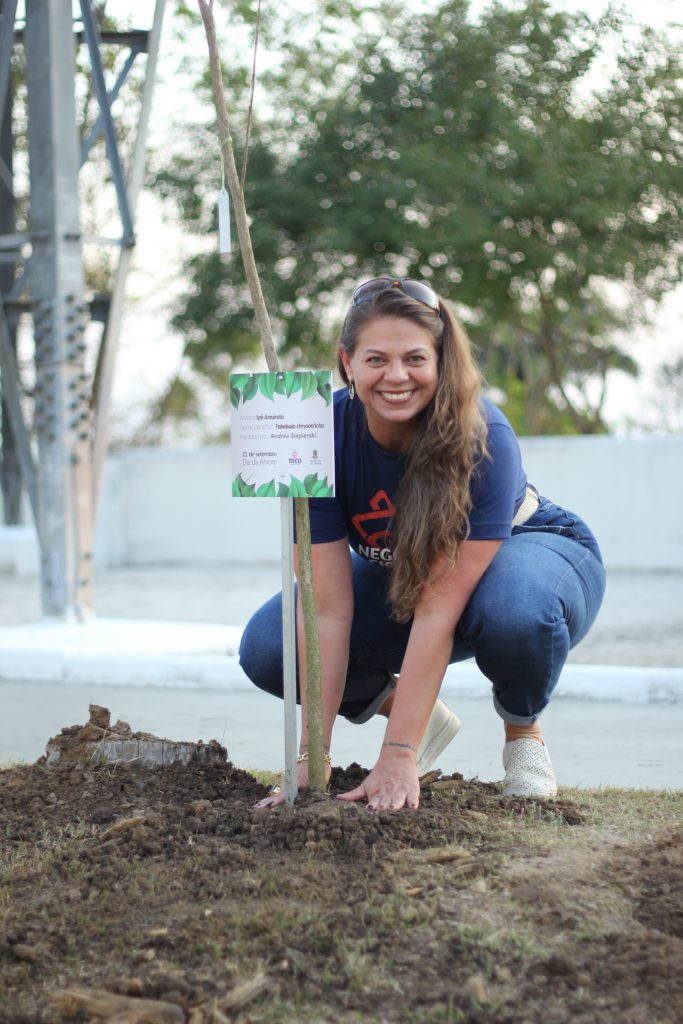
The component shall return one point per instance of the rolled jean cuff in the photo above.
(510, 718)
(375, 704)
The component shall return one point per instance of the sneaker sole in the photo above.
(448, 731)
(519, 791)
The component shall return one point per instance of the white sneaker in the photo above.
(528, 770)
(442, 727)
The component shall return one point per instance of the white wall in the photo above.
(166, 505)
(629, 491)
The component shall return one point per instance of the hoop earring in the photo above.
(352, 390)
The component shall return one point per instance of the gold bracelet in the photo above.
(304, 757)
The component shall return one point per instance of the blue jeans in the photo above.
(537, 599)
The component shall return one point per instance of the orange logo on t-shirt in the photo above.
(382, 508)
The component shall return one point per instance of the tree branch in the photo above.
(235, 189)
(250, 113)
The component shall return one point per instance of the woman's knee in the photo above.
(528, 589)
(248, 652)
(260, 652)
(502, 614)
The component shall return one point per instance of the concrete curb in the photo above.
(119, 652)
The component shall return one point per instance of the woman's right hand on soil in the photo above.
(274, 799)
(393, 782)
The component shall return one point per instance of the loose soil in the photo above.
(162, 896)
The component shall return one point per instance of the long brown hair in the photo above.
(433, 500)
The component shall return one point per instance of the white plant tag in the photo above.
(223, 221)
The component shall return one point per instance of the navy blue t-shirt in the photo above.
(367, 479)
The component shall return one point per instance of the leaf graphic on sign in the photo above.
(266, 383)
(266, 490)
(241, 489)
(321, 489)
(250, 388)
(324, 386)
(296, 488)
(309, 385)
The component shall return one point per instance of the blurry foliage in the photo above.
(178, 403)
(466, 151)
(670, 387)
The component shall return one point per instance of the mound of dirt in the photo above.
(157, 894)
(200, 790)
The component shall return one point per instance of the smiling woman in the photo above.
(453, 555)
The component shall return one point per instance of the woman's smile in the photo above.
(397, 396)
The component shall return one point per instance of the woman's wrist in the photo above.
(303, 748)
(399, 746)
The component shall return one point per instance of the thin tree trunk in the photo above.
(314, 704)
(316, 763)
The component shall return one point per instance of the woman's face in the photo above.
(394, 368)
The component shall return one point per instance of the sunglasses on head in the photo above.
(413, 289)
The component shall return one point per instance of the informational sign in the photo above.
(282, 434)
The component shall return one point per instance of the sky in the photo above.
(150, 353)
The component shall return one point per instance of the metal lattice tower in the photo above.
(41, 273)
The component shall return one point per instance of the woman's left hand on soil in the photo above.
(392, 784)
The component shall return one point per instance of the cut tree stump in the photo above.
(118, 744)
(148, 753)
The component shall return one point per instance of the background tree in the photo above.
(470, 151)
